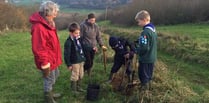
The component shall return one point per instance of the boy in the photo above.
(147, 49)
(124, 51)
(74, 57)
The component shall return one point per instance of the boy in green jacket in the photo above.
(74, 57)
(147, 49)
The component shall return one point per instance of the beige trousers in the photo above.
(77, 71)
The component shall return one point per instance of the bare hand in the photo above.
(46, 72)
(70, 68)
(126, 55)
(95, 49)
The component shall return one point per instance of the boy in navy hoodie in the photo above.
(124, 51)
(147, 49)
(74, 57)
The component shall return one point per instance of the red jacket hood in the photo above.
(37, 18)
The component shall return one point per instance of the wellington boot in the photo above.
(144, 87)
(74, 87)
(110, 78)
(56, 95)
(129, 78)
(150, 86)
(89, 72)
(48, 96)
(79, 88)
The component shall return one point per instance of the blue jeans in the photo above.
(50, 80)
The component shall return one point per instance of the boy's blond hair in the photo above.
(142, 15)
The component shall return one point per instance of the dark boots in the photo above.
(129, 78)
(79, 89)
(76, 87)
(89, 72)
(144, 87)
(73, 86)
(48, 96)
(56, 95)
(110, 78)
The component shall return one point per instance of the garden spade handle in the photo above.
(104, 59)
(125, 67)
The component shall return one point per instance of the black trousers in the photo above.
(145, 72)
(89, 60)
(118, 62)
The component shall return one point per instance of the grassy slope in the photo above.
(195, 74)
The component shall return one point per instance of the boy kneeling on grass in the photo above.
(74, 57)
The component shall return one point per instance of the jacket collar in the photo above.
(150, 26)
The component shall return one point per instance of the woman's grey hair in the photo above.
(48, 7)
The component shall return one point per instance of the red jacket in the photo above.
(45, 42)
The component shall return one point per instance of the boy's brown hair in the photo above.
(73, 27)
(142, 15)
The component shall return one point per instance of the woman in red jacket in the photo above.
(46, 46)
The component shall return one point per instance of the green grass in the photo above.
(18, 75)
(27, 2)
(196, 75)
(197, 31)
(21, 82)
(81, 11)
(63, 8)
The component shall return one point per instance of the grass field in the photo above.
(21, 82)
(81, 11)
(197, 31)
(63, 8)
(26, 2)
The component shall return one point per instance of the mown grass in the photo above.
(21, 82)
(18, 75)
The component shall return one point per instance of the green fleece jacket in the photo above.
(147, 49)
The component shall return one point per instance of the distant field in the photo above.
(63, 8)
(198, 31)
(26, 2)
(82, 11)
